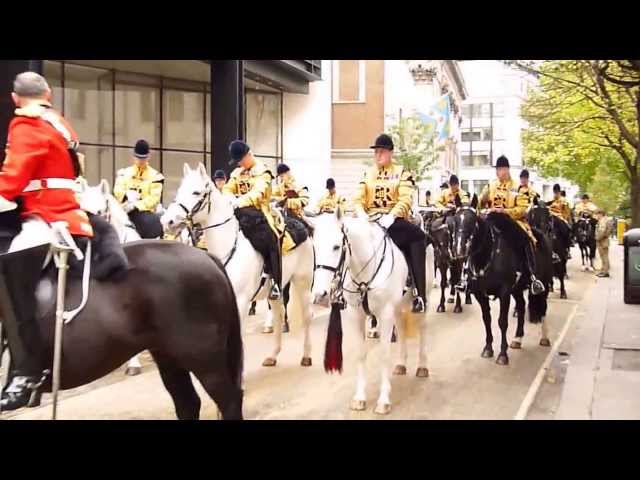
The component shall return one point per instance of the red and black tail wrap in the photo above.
(333, 347)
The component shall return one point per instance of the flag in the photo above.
(438, 115)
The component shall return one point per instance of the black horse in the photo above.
(175, 301)
(558, 234)
(585, 233)
(492, 246)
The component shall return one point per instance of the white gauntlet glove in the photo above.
(128, 206)
(387, 220)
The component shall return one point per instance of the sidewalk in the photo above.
(603, 377)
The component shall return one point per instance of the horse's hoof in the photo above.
(422, 372)
(516, 345)
(468, 302)
(269, 362)
(502, 359)
(133, 371)
(544, 342)
(441, 309)
(267, 330)
(457, 309)
(450, 300)
(487, 353)
(563, 295)
(305, 362)
(383, 409)
(358, 405)
(400, 370)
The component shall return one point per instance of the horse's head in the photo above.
(329, 242)
(192, 202)
(538, 215)
(465, 226)
(95, 199)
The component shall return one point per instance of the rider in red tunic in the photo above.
(38, 173)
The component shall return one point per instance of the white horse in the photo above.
(99, 201)
(200, 202)
(357, 255)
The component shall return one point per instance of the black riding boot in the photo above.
(19, 275)
(537, 287)
(417, 255)
(275, 266)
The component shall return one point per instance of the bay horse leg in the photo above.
(520, 307)
(483, 301)
(222, 390)
(503, 322)
(178, 383)
(563, 273)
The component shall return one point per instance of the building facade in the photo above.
(369, 96)
(188, 110)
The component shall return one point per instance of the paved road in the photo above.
(462, 385)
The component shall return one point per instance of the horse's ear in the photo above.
(202, 169)
(186, 169)
(104, 187)
(474, 201)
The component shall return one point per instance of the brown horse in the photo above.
(175, 301)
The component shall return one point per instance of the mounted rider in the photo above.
(388, 189)
(37, 187)
(330, 200)
(220, 179)
(502, 196)
(559, 207)
(447, 199)
(287, 194)
(250, 183)
(139, 189)
(525, 188)
(585, 207)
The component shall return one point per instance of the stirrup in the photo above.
(418, 305)
(275, 294)
(555, 258)
(461, 286)
(537, 287)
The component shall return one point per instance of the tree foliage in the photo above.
(584, 125)
(415, 145)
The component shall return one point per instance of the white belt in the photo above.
(49, 183)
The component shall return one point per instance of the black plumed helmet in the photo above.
(237, 150)
(444, 185)
(219, 174)
(524, 173)
(585, 197)
(331, 183)
(502, 162)
(141, 149)
(556, 187)
(453, 180)
(383, 141)
(282, 168)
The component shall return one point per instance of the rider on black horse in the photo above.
(502, 196)
(37, 183)
(250, 182)
(560, 209)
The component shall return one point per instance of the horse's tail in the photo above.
(235, 350)
(537, 307)
(333, 347)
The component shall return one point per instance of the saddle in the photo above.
(297, 231)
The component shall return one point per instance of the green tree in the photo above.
(584, 124)
(415, 145)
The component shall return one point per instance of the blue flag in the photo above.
(438, 116)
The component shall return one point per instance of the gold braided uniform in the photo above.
(448, 196)
(588, 207)
(294, 205)
(330, 201)
(504, 194)
(559, 207)
(386, 190)
(147, 182)
(253, 186)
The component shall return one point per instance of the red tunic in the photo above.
(36, 151)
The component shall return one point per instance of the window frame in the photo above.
(335, 83)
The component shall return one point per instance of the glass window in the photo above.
(263, 121)
(464, 184)
(466, 111)
(137, 111)
(53, 73)
(173, 169)
(486, 133)
(481, 110)
(470, 135)
(349, 88)
(183, 120)
(98, 164)
(88, 102)
(498, 109)
(475, 160)
(207, 126)
(478, 185)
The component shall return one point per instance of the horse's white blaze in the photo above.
(386, 300)
(244, 264)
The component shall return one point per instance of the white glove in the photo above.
(128, 206)
(235, 202)
(7, 205)
(387, 220)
